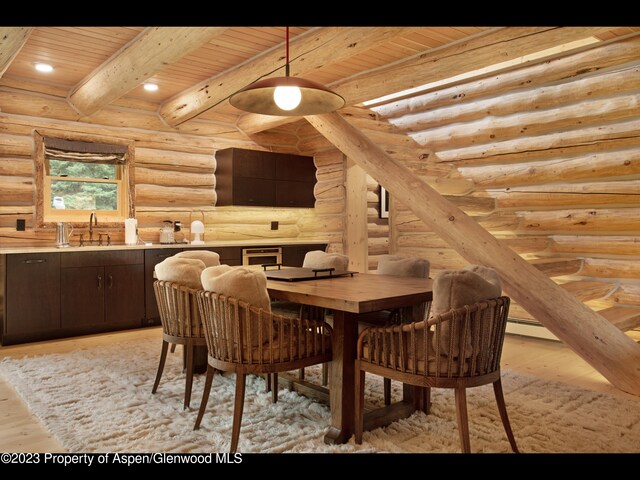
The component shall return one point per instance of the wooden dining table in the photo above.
(349, 298)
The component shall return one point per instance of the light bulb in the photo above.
(44, 67)
(287, 98)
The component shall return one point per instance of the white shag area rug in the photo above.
(99, 400)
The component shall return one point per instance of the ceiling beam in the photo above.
(597, 341)
(310, 51)
(12, 39)
(481, 51)
(147, 54)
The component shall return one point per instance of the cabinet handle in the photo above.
(99, 281)
(39, 260)
(110, 281)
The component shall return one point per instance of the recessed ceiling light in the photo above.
(44, 67)
(150, 87)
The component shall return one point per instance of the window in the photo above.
(383, 206)
(80, 177)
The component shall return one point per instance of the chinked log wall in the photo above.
(174, 172)
(550, 156)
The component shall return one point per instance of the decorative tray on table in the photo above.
(298, 274)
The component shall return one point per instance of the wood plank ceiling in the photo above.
(76, 51)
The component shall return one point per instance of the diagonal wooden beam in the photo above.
(310, 51)
(475, 53)
(144, 56)
(12, 39)
(597, 341)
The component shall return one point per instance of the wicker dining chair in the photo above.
(244, 339)
(181, 325)
(458, 349)
(398, 266)
(312, 259)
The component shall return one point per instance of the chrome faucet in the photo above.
(92, 218)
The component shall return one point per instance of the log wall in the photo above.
(547, 158)
(174, 172)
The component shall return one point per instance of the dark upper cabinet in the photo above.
(265, 179)
(295, 168)
(254, 192)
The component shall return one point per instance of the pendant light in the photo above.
(286, 96)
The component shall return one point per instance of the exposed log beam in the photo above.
(12, 39)
(481, 51)
(144, 56)
(312, 50)
(356, 217)
(596, 340)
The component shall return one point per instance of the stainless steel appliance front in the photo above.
(261, 256)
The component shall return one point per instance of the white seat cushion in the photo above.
(212, 272)
(244, 284)
(210, 259)
(403, 266)
(455, 289)
(320, 259)
(185, 271)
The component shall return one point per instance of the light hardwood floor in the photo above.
(21, 432)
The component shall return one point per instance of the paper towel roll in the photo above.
(130, 236)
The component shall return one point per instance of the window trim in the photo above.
(80, 218)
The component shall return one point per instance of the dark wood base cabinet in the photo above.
(56, 295)
(31, 306)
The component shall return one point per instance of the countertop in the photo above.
(94, 248)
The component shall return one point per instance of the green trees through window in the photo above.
(79, 192)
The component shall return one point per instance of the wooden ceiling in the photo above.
(76, 52)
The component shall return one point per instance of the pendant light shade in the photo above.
(259, 97)
(286, 96)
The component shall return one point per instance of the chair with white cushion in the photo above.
(398, 266)
(177, 281)
(458, 347)
(244, 337)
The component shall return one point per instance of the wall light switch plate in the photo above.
(21, 225)
(275, 225)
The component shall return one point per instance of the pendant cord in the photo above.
(287, 52)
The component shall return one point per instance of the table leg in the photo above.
(200, 359)
(342, 391)
(420, 397)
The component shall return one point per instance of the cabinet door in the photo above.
(296, 168)
(254, 192)
(82, 302)
(124, 295)
(254, 164)
(151, 258)
(228, 255)
(33, 294)
(293, 255)
(294, 194)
